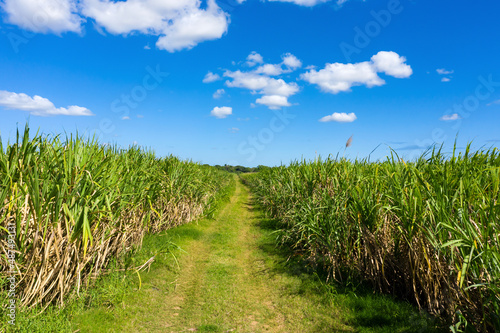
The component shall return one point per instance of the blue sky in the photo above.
(254, 82)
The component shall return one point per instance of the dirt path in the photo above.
(228, 281)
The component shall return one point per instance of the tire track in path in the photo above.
(229, 278)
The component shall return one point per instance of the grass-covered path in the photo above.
(231, 278)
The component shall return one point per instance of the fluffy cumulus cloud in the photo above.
(179, 24)
(288, 65)
(340, 117)
(211, 77)
(275, 91)
(254, 58)
(261, 84)
(38, 106)
(123, 17)
(338, 77)
(218, 93)
(306, 3)
(310, 3)
(43, 15)
(450, 117)
(291, 61)
(270, 69)
(264, 79)
(247, 80)
(391, 64)
(273, 101)
(193, 28)
(221, 112)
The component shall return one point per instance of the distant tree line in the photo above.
(240, 169)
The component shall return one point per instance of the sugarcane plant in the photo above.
(74, 204)
(426, 230)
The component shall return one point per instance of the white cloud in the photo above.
(125, 118)
(280, 87)
(274, 91)
(249, 80)
(391, 64)
(338, 77)
(306, 3)
(494, 102)
(291, 61)
(274, 102)
(443, 71)
(340, 117)
(38, 106)
(43, 15)
(270, 69)
(211, 77)
(254, 58)
(193, 28)
(218, 94)
(449, 117)
(146, 16)
(179, 24)
(234, 129)
(221, 112)
(261, 83)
